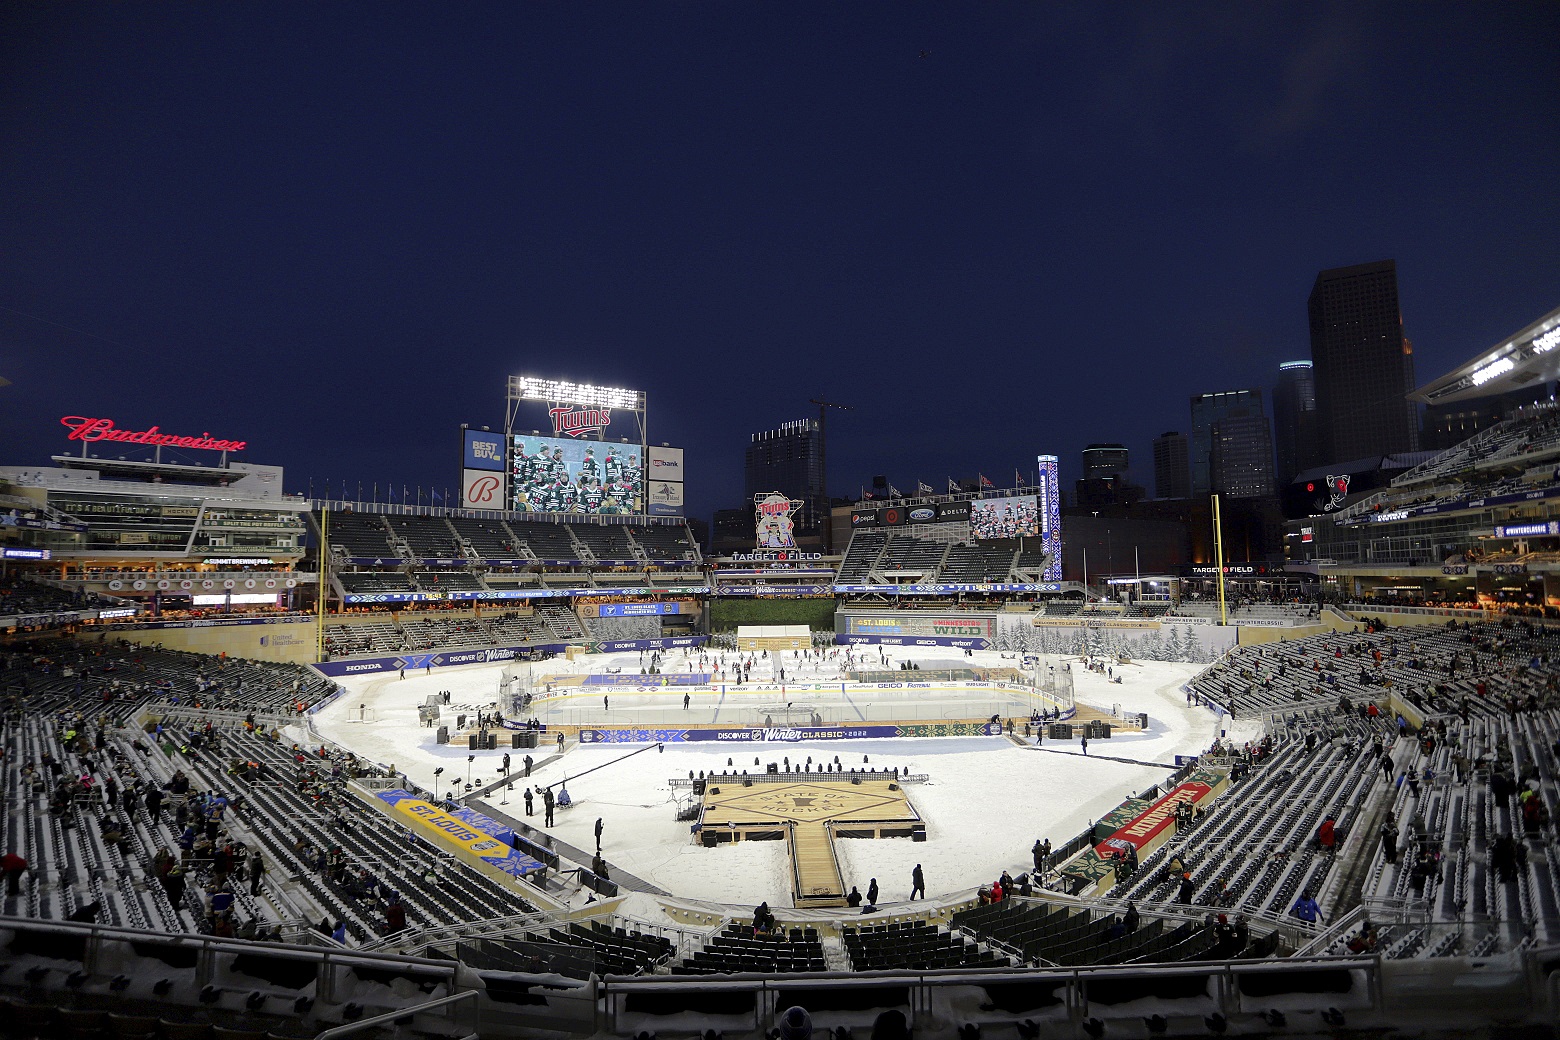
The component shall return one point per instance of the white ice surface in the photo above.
(986, 802)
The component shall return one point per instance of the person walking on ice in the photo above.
(1085, 743)
(917, 882)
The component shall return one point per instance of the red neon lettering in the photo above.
(87, 429)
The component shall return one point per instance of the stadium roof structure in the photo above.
(1523, 358)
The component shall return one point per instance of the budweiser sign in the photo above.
(85, 429)
(577, 422)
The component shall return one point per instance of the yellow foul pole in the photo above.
(1218, 554)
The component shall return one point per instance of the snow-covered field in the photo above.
(986, 801)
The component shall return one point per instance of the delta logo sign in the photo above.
(579, 422)
(84, 428)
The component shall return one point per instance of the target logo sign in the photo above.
(483, 490)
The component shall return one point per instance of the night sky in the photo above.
(334, 230)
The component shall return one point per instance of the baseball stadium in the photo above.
(540, 763)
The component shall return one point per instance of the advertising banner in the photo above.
(665, 497)
(483, 450)
(944, 589)
(637, 609)
(1147, 825)
(665, 463)
(919, 625)
(732, 589)
(1017, 517)
(481, 489)
(440, 659)
(553, 475)
(785, 734)
(451, 832)
(959, 642)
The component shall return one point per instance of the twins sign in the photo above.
(773, 511)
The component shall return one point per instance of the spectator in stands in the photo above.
(854, 898)
(796, 1024)
(1187, 889)
(1326, 835)
(1389, 840)
(872, 892)
(13, 866)
(1132, 918)
(1306, 909)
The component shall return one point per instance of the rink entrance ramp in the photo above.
(808, 815)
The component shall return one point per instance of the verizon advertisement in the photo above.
(481, 489)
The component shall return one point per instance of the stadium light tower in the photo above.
(823, 467)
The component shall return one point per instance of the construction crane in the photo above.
(823, 467)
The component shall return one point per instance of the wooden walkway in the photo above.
(815, 870)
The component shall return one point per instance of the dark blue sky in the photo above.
(335, 229)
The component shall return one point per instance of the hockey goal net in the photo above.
(361, 714)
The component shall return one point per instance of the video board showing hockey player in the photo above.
(1017, 517)
(558, 475)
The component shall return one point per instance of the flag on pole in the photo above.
(953, 486)
(434, 492)
(985, 483)
(1019, 477)
(894, 492)
(865, 494)
(923, 489)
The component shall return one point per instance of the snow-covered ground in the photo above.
(985, 803)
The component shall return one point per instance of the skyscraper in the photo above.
(1240, 463)
(1363, 365)
(1294, 420)
(1172, 466)
(788, 459)
(1208, 409)
(1103, 461)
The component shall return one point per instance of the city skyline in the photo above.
(997, 235)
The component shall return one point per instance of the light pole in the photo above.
(469, 759)
(436, 774)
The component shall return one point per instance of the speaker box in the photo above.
(514, 740)
(471, 742)
(444, 734)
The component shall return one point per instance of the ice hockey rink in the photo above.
(985, 801)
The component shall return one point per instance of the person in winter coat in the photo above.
(339, 933)
(1389, 842)
(1327, 835)
(917, 882)
(395, 917)
(529, 800)
(154, 800)
(872, 892)
(14, 867)
(1132, 918)
(173, 884)
(1307, 909)
(854, 898)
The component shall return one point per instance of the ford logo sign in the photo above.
(922, 513)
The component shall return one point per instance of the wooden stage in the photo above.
(809, 815)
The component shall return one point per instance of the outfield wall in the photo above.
(284, 640)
